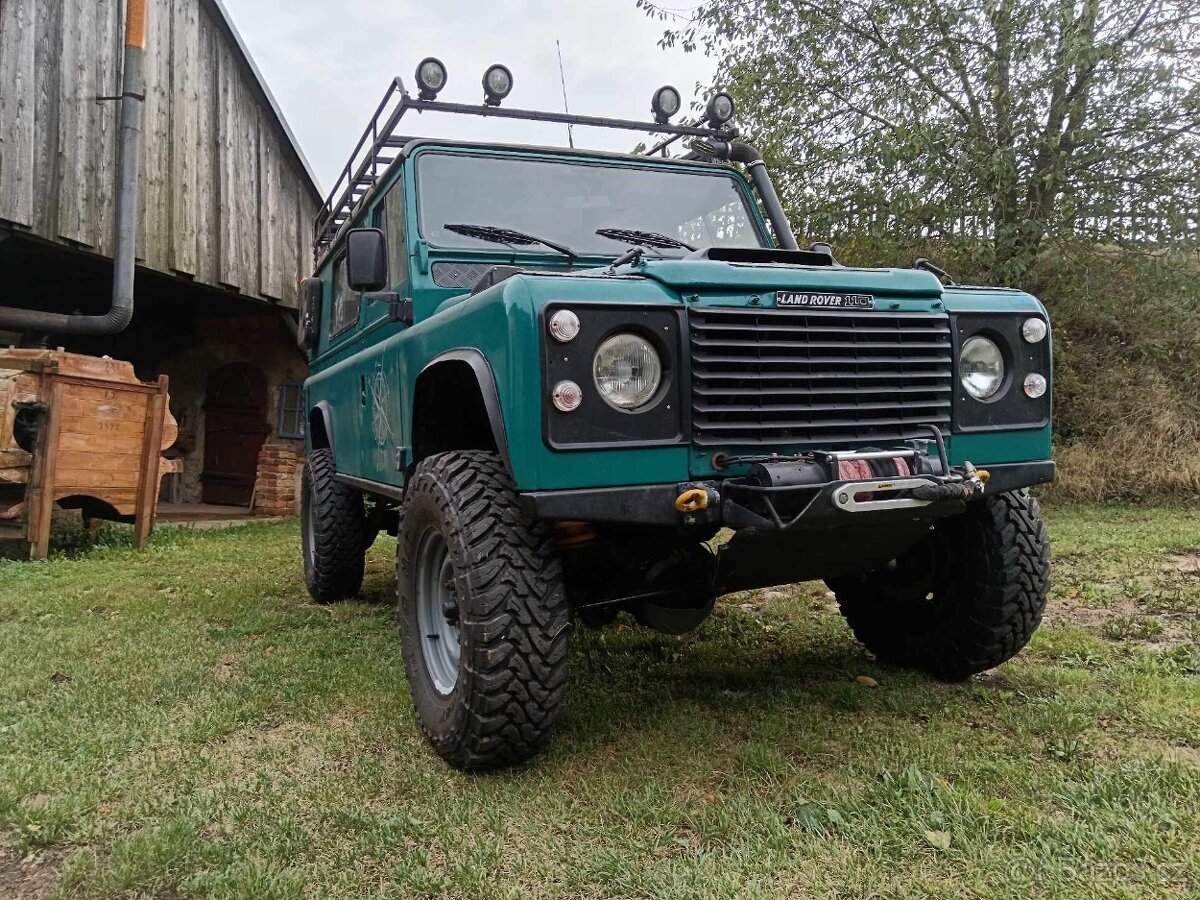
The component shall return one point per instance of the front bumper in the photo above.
(654, 504)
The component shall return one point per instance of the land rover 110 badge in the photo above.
(811, 300)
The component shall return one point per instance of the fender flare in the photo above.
(323, 409)
(486, 380)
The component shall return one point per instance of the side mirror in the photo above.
(309, 331)
(366, 260)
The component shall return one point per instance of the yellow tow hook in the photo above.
(692, 500)
(976, 479)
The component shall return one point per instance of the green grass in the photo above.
(181, 722)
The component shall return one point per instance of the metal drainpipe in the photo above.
(125, 226)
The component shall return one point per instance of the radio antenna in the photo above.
(566, 107)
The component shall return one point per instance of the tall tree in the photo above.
(1012, 117)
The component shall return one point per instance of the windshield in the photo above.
(567, 201)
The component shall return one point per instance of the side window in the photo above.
(397, 247)
(344, 304)
(291, 410)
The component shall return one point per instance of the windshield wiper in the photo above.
(498, 235)
(645, 238)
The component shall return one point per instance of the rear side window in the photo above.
(393, 227)
(344, 305)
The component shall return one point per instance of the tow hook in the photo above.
(974, 481)
(697, 502)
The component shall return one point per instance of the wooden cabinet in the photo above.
(82, 432)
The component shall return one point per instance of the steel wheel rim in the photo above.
(435, 596)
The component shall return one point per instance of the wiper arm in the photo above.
(498, 235)
(645, 238)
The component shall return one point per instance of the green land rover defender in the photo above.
(559, 375)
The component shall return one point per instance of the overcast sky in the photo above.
(328, 64)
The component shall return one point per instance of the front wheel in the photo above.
(483, 613)
(965, 599)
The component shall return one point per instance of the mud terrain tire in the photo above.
(488, 689)
(333, 528)
(965, 599)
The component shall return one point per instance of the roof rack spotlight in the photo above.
(665, 103)
(720, 108)
(431, 77)
(497, 84)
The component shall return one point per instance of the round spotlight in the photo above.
(567, 396)
(1035, 385)
(431, 77)
(497, 84)
(665, 103)
(720, 108)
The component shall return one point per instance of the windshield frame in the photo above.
(575, 158)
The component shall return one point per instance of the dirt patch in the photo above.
(228, 667)
(1125, 619)
(1186, 562)
(1174, 753)
(30, 876)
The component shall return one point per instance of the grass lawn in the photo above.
(182, 722)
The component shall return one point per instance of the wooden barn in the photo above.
(225, 204)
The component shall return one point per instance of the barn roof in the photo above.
(226, 22)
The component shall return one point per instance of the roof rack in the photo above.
(380, 146)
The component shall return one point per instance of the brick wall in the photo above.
(275, 490)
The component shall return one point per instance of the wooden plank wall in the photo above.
(223, 199)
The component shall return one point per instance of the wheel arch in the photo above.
(320, 428)
(466, 376)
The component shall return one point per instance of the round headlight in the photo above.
(497, 83)
(1035, 385)
(981, 367)
(665, 103)
(564, 326)
(627, 371)
(567, 396)
(1033, 330)
(431, 77)
(720, 108)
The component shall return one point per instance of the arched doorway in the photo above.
(235, 426)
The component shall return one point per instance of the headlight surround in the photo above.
(981, 367)
(627, 371)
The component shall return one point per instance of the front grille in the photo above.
(825, 378)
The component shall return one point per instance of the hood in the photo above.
(713, 275)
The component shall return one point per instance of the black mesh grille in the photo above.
(459, 275)
(825, 378)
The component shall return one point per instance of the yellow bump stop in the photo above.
(983, 475)
(692, 500)
(572, 534)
